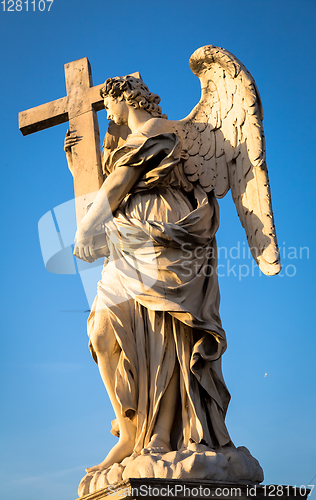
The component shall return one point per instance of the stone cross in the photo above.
(79, 107)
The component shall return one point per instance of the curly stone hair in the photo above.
(134, 92)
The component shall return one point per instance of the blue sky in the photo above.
(55, 416)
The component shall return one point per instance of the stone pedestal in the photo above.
(159, 489)
(225, 465)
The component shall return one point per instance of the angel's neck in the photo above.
(137, 118)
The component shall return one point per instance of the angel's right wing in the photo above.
(224, 140)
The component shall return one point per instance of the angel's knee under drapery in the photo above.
(160, 293)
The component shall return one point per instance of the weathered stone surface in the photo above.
(79, 108)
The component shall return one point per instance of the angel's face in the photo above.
(116, 110)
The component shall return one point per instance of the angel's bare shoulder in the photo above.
(156, 126)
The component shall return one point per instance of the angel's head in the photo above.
(133, 92)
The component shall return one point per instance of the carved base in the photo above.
(228, 464)
(159, 489)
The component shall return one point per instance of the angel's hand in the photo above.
(70, 140)
(84, 246)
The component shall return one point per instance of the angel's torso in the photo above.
(161, 193)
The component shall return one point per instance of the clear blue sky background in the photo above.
(55, 414)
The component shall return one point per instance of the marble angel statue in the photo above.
(159, 348)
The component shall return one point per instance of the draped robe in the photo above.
(159, 288)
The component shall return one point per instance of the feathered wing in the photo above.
(224, 139)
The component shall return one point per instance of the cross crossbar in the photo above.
(54, 112)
